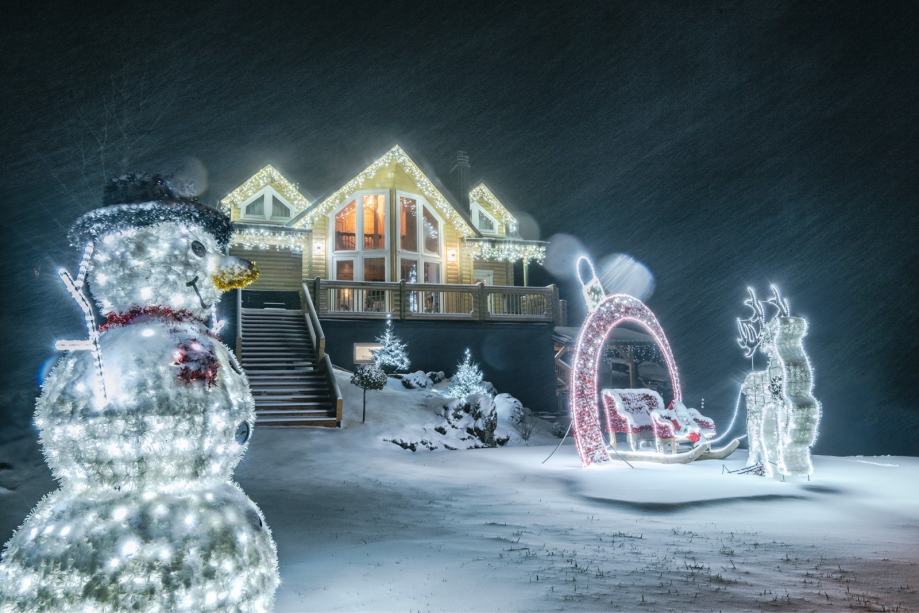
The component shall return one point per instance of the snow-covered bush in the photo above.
(417, 380)
(513, 415)
(368, 377)
(470, 423)
(467, 380)
(436, 376)
(393, 355)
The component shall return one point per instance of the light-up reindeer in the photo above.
(782, 413)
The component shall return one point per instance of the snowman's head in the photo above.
(154, 247)
(170, 264)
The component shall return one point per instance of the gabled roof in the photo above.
(481, 193)
(451, 212)
(266, 176)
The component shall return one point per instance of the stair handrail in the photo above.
(328, 369)
(317, 336)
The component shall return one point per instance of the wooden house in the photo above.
(390, 242)
(390, 222)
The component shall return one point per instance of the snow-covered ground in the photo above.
(364, 525)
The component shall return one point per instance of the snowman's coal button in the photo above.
(242, 432)
(255, 520)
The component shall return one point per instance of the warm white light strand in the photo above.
(480, 193)
(507, 250)
(397, 156)
(266, 176)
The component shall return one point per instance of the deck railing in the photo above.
(401, 300)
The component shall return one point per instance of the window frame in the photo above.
(358, 254)
(421, 256)
(477, 210)
(267, 193)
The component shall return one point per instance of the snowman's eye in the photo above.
(198, 249)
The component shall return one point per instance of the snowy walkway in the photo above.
(364, 525)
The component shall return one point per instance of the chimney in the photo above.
(461, 168)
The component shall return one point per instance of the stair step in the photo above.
(286, 353)
(293, 406)
(290, 365)
(294, 422)
(277, 349)
(324, 414)
(308, 375)
(289, 388)
(277, 357)
(312, 396)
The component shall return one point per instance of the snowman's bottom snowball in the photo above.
(198, 550)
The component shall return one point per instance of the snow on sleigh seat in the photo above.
(691, 419)
(637, 413)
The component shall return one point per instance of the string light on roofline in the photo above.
(266, 176)
(398, 156)
(481, 193)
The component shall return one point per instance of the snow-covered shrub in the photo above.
(436, 376)
(467, 380)
(512, 415)
(393, 355)
(417, 380)
(368, 377)
(470, 423)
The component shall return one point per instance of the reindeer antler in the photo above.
(751, 328)
(781, 304)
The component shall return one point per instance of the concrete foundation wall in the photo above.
(515, 358)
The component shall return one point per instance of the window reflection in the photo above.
(346, 228)
(408, 226)
(374, 221)
(431, 233)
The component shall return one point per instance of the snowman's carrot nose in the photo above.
(234, 273)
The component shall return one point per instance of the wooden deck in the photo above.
(401, 300)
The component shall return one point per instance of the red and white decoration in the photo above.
(610, 313)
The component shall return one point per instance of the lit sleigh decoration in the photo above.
(654, 432)
(782, 413)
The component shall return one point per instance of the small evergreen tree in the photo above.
(368, 377)
(393, 355)
(467, 380)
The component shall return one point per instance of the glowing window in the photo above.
(346, 228)
(374, 221)
(408, 226)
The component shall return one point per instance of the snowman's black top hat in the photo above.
(139, 200)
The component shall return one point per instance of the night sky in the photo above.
(721, 145)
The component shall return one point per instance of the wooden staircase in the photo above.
(290, 383)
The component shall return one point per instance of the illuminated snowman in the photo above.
(143, 423)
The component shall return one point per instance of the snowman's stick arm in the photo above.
(92, 343)
(84, 266)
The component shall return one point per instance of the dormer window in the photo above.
(267, 206)
(256, 208)
(483, 221)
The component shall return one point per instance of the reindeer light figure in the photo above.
(782, 413)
